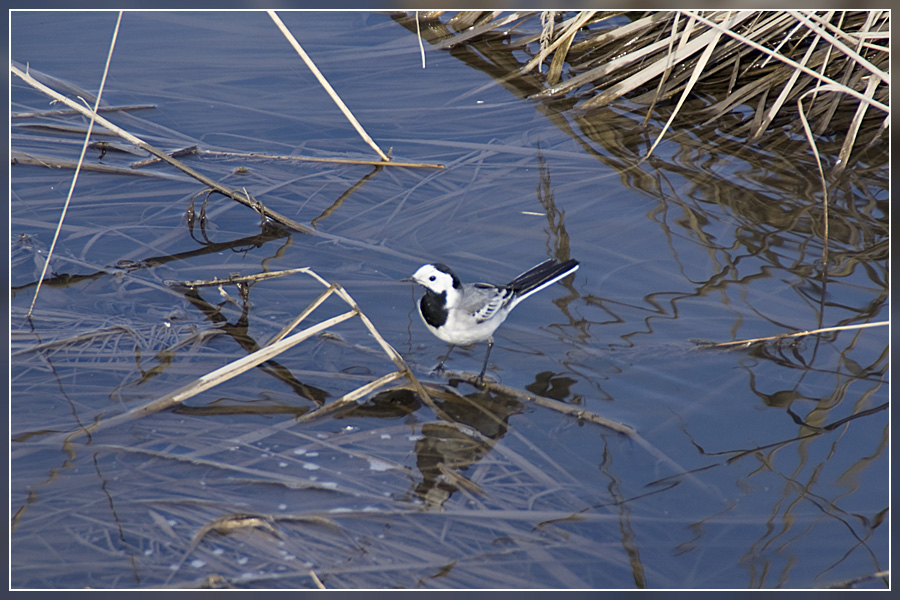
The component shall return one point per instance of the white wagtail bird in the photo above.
(464, 313)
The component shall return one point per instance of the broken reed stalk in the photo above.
(476, 30)
(84, 147)
(241, 197)
(296, 321)
(566, 37)
(419, 35)
(388, 349)
(350, 397)
(235, 521)
(327, 86)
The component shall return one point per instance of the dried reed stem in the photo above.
(695, 76)
(815, 150)
(84, 147)
(324, 83)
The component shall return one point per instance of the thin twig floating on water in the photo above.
(575, 411)
(794, 334)
(51, 162)
(215, 281)
(346, 161)
(67, 111)
(176, 154)
(585, 415)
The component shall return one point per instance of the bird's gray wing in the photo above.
(483, 301)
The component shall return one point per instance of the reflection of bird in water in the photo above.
(446, 450)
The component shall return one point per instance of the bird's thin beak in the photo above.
(408, 280)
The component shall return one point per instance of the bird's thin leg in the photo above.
(440, 366)
(486, 355)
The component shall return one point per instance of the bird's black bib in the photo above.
(434, 308)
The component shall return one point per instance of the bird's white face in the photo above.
(433, 278)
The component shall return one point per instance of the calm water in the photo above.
(785, 442)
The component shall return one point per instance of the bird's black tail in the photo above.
(540, 276)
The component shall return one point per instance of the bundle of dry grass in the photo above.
(829, 69)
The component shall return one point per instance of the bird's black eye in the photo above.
(432, 278)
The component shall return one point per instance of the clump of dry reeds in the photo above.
(829, 69)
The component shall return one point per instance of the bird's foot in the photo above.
(480, 382)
